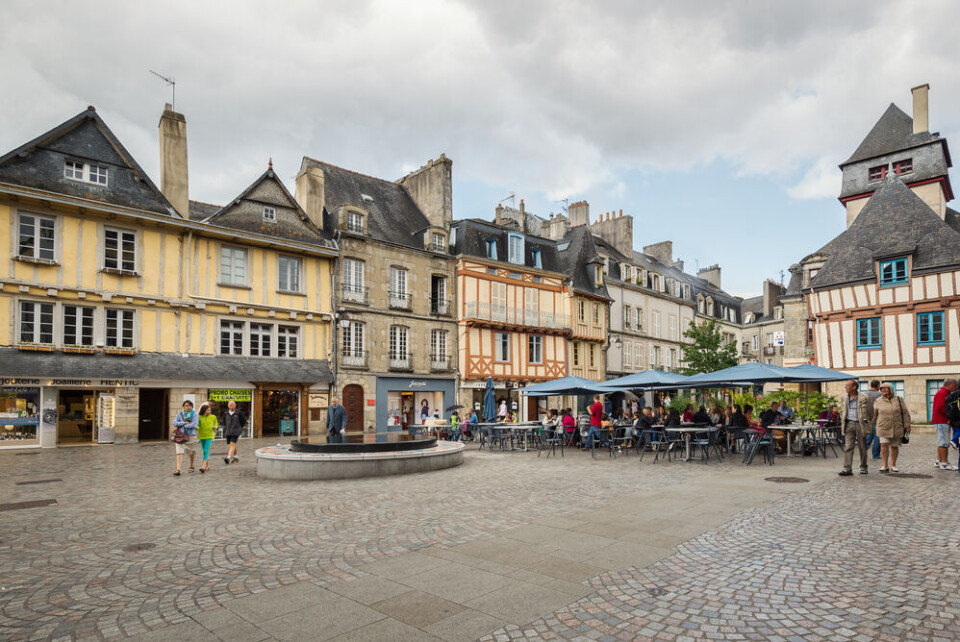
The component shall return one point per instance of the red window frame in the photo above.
(877, 173)
(904, 166)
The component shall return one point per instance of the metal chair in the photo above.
(550, 438)
(655, 439)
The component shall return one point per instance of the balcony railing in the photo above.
(439, 305)
(769, 350)
(400, 362)
(354, 358)
(517, 316)
(439, 363)
(354, 293)
(399, 300)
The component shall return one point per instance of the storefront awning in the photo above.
(152, 366)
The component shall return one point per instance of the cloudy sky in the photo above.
(716, 124)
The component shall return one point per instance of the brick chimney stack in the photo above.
(921, 117)
(174, 181)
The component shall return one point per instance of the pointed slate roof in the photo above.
(245, 213)
(470, 239)
(895, 222)
(85, 138)
(892, 133)
(393, 216)
(578, 258)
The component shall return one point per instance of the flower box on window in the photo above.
(79, 349)
(124, 352)
(36, 347)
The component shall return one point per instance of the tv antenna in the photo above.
(510, 197)
(566, 204)
(173, 85)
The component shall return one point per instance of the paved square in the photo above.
(507, 546)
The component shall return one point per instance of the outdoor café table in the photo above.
(486, 432)
(688, 430)
(790, 430)
(524, 431)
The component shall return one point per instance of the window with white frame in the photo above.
(673, 327)
(231, 337)
(673, 358)
(537, 259)
(654, 356)
(353, 277)
(627, 317)
(626, 272)
(233, 265)
(119, 249)
(535, 349)
(701, 305)
(576, 353)
(596, 314)
(398, 342)
(399, 297)
(438, 345)
(501, 346)
(581, 311)
(498, 301)
(261, 335)
(491, 249)
(656, 324)
(288, 341)
(289, 274)
(756, 342)
(119, 328)
(593, 356)
(269, 213)
(639, 324)
(515, 249)
(78, 325)
(355, 222)
(36, 322)
(709, 307)
(627, 354)
(438, 242)
(36, 237)
(770, 339)
(353, 339)
(531, 306)
(86, 172)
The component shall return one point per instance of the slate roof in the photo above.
(892, 133)
(895, 222)
(245, 213)
(394, 217)
(578, 260)
(39, 164)
(470, 239)
(200, 211)
(154, 366)
(795, 286)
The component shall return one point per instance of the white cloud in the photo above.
(822, 180)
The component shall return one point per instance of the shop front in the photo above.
(404, 401)
(19, 416)
(526, 408)
(242, 397)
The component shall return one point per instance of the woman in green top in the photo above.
(206, 429)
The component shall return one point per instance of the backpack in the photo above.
(951, 408)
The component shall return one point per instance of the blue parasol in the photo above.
(489, 402)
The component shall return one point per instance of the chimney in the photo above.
(678, 264)
(431, 188)
(921, 117)
(310, 194)
(662, 251)
(522, 217)
(173, 160)
(710, 273)
(579, 213)
(771, 295)
(499, 219)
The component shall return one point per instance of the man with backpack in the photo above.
(941, 420)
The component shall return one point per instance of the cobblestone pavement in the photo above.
(507, 545)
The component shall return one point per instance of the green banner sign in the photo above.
(230, 394)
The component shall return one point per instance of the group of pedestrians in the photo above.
(193, 430)
(878, 413)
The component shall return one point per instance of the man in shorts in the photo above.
(942, 423)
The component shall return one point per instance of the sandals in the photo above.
(205, 468)
(176, 473)
(191, 470)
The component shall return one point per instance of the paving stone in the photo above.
(417, 608)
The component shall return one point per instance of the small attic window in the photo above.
(269, 213)
(491, 249)
(366, 198)
(86, 172)
(537, 261)
(877, 173)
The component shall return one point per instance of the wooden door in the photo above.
(353, 404)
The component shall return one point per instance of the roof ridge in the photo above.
(352, 171)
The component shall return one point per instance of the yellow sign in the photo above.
(230, 394)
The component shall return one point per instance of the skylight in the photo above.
(366, 198)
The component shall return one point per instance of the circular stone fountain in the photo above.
(375, 455)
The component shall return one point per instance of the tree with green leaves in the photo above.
(707, 351)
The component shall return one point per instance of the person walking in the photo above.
(187, 421)
(942, 423)
(336, 422)
(596, 420)
(206, 429)
(502, 412)
(856, 419)
(234, 421)
(891, 419)
(872, 441)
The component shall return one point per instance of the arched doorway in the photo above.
(353, 405)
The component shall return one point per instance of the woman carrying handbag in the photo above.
(893, 426)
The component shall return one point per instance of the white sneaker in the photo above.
(938, 464)
(234, 459)
(945, 466)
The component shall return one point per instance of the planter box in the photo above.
(35, 347)
(78, 350)
(123, 352)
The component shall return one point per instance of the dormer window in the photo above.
(877, 173)
(492, 249)
(778, 313)
(626, 272)
(701, 305)
(748, 318)
(269, 213)
(813, 272)
(355, 222)
(903, 167)
(86, 172)
(709, 307)
(598, 276)
(437, 242)
(893, 272)
(537, 260)
(515, 249)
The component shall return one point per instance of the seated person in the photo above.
(644, 424)
(771, 417)
(831, 416)
(688, 414)
(702, 417)
(787, 412)
(673, 419)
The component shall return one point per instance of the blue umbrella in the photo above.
(564, 386)
(645, 379)
(743, 375)
(808, 372)
(489, 402)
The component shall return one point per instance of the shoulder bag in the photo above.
(906, 434)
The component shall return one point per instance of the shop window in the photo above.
(36, 322)
(535, 349)
(930, 329)
(868, 334)
(78, 325)
(119, 328)
(36, 237)
(231, 337)
(288, 341)
(290, 268)
(233, 265)
(893, 272)
(19, 416)
(261, 335)
(502, 346)
(222, 397)
(120, 250)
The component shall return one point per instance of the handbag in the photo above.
(906, 434)
(180, 436)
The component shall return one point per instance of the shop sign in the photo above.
(317, 400)
(123, 383)
(778, 338)
(101, 383)
(230, 394)
(418, 384)
(19, 382)
(16, 389)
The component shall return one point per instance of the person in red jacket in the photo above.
(596, 419)
(942, 423)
